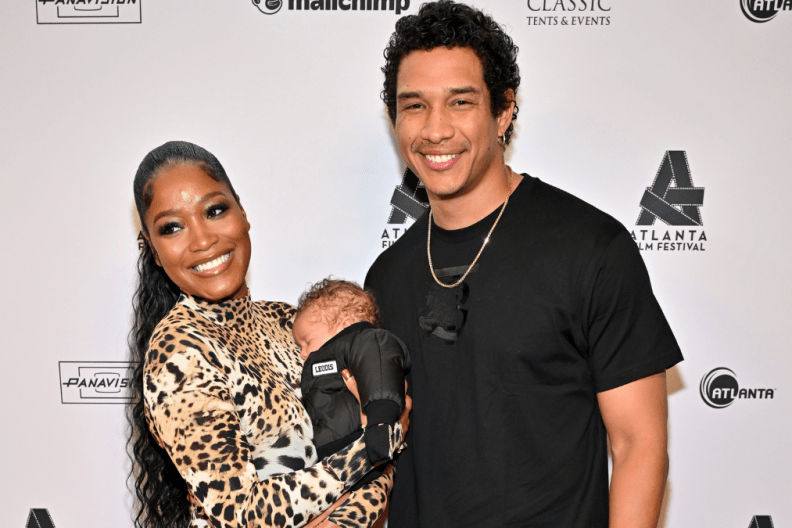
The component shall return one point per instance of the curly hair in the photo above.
(448, 24)
(338, 298)
(160, 491)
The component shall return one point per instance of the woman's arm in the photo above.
(195, 418)
(365, 505)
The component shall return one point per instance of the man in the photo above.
(534, 332)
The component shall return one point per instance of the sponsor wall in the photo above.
(674, 117)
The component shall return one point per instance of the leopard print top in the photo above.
(222, 396)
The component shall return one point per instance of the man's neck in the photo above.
(465, 209)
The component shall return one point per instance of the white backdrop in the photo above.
(289, 104)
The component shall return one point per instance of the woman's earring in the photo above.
(502, 140)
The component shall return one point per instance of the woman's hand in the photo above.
(320, 521)
(325, 524)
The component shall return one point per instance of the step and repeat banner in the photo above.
(675, 117)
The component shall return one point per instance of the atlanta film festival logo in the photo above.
(719, 389)
(761, 521)
(270, 7)
(761, 11)
(409, 200)
(88, 11)
(39, 518)
(673, 200)
(95, 381)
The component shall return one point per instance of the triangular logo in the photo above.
(409, 199)
(39, 518)
(672, 197)
(761, 521)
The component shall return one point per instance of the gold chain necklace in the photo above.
(486, 240)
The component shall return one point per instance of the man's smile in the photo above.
(440, 161)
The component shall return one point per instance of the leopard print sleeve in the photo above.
(365, 505)
(196, 420)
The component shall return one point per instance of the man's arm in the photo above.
(635, 417)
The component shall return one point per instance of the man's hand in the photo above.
(636, 417)
(351, 384)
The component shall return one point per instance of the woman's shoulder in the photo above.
(181, 318)
(276, 317)
(181, 333)
(275, 309)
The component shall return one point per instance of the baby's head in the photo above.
(327, 308)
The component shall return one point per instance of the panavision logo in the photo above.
(88, 11)
(409, 200)
(270, 7)
(719, 389)
(760, 11)
(95, 382)
(673, 200)
(39, 518)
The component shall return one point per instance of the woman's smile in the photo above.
(213, 267)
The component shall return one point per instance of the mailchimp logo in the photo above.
(268, 7)
(719, 389)
(761, 11)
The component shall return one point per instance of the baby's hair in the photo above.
(337, 298)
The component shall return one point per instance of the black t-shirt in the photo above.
(505, 428)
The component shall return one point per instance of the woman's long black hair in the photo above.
(160, 491)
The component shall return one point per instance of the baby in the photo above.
(336, 329)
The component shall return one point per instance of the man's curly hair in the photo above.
(339, 298)
(448, 24)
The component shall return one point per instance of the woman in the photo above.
(219, 437)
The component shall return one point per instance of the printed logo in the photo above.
(270, 7)
(719, 389)
(95, 381)
(673, 200)
(672, 197)
(761, 11)
(322, 369)
(88, 11)
(568, 13)
(39, 518)
(409, 200)
(761, 521)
